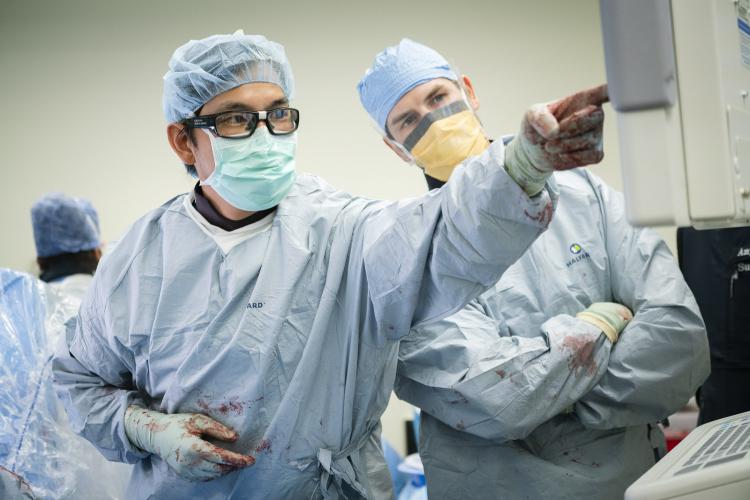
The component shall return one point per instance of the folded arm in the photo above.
(462, 372)
(662, 357)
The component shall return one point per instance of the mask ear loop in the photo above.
(214, 174)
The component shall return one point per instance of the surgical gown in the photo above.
(519, 402)
(37, 446)
(293, 345)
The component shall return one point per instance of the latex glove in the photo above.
(177, 440)
(557, 136)
(611, 318)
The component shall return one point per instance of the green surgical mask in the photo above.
(255, 173)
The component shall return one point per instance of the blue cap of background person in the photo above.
(202, 69)
(64, 224)
(395, 72)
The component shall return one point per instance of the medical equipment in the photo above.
(679, 77)
(711, 462)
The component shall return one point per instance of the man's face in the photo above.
(249, 97)
(418, 102)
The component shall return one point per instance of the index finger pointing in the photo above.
(595, 96)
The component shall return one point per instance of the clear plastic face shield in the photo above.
(435, 127)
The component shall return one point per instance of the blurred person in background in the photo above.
(68, 242)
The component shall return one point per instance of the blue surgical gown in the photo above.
(517, 400)
(297, 349)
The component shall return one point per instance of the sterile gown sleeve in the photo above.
(96, 402)
(387, 266)
(462, 372)
(428, 257)
(662, 356)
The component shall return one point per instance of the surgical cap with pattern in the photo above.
(202, 69)
(395, 71)
(64, 224)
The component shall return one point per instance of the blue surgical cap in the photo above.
(395, 72)
(202, 69)
(64, 224)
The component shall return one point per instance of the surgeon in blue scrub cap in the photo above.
(553, 387)
(241, 340)
(66, 233)
(395, 71)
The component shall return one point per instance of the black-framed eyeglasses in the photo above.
(242, 124)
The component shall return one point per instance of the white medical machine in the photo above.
(711, 463)
(679, 77)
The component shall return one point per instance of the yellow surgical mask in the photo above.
(444, 138)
